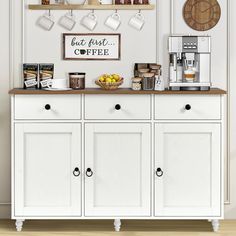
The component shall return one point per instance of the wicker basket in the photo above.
(109, 86)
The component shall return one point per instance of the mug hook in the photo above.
(49, 12)
(116, 11)
(139, 11)
(92, 11)
(71, 12)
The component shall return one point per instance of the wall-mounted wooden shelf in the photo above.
(91, 7)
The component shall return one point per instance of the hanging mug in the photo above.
(46, 22)
(137, 21)
(113, 21)
(67, 21)
(89, 21)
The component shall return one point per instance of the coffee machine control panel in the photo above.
(190, 44)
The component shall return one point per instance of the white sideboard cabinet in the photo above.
(98, 155)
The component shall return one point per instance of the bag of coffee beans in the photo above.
(46, 73)
(30, 76)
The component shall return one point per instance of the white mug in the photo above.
(89, 21)
(67, 21)
(137, 21)
(113, 21)
(78, 2)
(58, 84)
(106, 1)
(46, 22)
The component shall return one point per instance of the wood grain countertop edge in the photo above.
(20, 91)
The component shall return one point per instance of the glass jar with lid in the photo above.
(136, 83)
(148, 81)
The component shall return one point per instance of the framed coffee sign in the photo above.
(91, 46)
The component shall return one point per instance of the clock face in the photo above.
(201, 15)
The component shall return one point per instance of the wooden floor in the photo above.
(105, 228)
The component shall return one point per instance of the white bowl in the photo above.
(78, 2)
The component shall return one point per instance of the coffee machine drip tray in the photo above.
(190, 86)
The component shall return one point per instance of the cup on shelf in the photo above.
(89, 21)
(67, 21)
(78, 2)
(46, 22)
(136, 2)
(93, 2)
(127, 2)
(113, 21)
(137, 21)
(45, 2)
(106, 1)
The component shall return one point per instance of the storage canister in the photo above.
(148, 81)
(77, 80)
(136, 83)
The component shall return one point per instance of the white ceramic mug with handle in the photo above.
(89, 21)
(137, 21)
(113, 21)
(106, 1)
(46, 22)
(58, 84)
(67, 21)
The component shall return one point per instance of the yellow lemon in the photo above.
(116, 77)
(102, 79)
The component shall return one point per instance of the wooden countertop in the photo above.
(213, 91)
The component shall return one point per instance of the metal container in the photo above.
(148, 81)
(77, 80)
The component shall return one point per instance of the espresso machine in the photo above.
(190, 62)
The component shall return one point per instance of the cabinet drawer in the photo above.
(198, 107)
(48, 107)
(121, 107)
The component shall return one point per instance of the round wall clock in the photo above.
(201, 15)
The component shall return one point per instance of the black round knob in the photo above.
(117, 107)
(188, 107)
(89, 172)
(159, 172)
(47, 107)
(76, 172)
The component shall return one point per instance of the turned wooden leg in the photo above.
(117, 224)
(215, 225)
(19, 225)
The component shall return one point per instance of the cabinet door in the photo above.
(47, 182)
(189, 157)
(119, 181)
